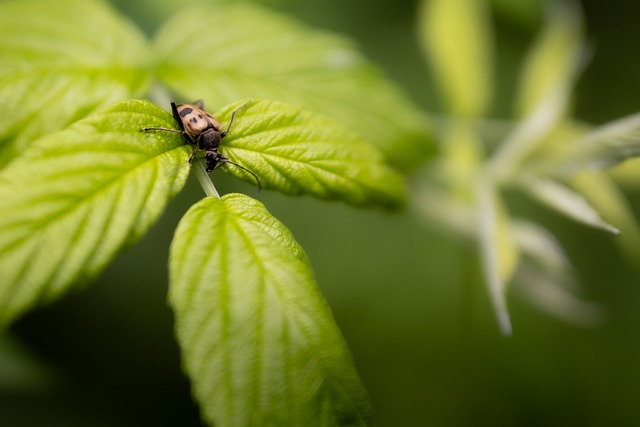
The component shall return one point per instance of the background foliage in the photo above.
(409, 300)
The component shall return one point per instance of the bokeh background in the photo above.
(409, 299)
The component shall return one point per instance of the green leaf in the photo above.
(555, 59)
(20, 370)
(604, 146)
(77, 196)
(540, 246)
(298, 152)
(60, 60)
(500, 255)
(259, 341)
(458, 41)
(567, 202)
(601, 191)
(547, 81)
(228, 52)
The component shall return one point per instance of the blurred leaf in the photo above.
(544, 291)
(604, 146)
(298, 152)
(20, 370)
(546, 278)
(462, 155)
(600, 190)
(234, 51)
(458, 42)
(555, 59)
(259, 341)
(60, 60)
(627, 173)
(77, 196)
(522, 12)
(539, 245)
(567, 202)
(500, 254)
(530, 134)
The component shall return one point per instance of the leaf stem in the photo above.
(203, 177)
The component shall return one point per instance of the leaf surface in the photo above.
(235, 51)
(457, 38)
(500, 254)
(298, 152)
(604, 146)
(75, 198)
(555, 59)
(60, 60)
(259, 341)
(568, 202)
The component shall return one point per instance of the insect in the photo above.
(203, 131)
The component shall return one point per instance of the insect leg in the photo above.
(162, 130)
(195, 150)
(174, 111)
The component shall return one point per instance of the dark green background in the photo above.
(409, 299)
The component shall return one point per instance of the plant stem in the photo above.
(203, 177)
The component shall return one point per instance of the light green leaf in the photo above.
(462, 156)
(541, 247)
(298, 152)
(77, 196)
(60, 60)
(458, 41)
(235, 51)
(604, 146)
(546, 277)
(500, 255)
(259, 341)
(567, 202)
(529, 135)
(601, 191)
(555, 59)
(547, 81)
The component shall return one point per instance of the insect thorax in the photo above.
(209, 140)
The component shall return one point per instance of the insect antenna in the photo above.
(246, 170)
(233, 116)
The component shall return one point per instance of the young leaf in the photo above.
(297, 152)
(568, 202)
(75, 198)
(500, 255)
(259, 341)
(546, 278)
(457, 38)
(603, 147)
(555, 59)
(227, 52)
(551, 70)
(60, 60)
(603, 193)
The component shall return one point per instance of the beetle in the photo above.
(203, 131)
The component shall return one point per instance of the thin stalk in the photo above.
(204, 179)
